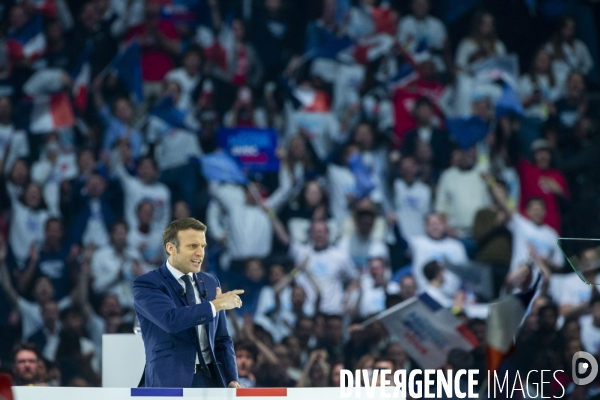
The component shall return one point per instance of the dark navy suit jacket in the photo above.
(169, 330)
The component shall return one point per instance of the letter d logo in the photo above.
(580, 368)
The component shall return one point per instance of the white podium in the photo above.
(123, 360)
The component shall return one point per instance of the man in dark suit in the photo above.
(181, 311)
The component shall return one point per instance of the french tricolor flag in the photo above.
(81, 74)
(52, 113)
(312, 100)
(52, 109)
(27, 42)
(503, 323)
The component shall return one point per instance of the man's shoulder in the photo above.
(151, 277)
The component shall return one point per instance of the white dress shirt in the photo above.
(204, 345)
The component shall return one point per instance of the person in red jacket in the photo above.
(539, 179)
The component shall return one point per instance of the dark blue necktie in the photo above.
(190, 296)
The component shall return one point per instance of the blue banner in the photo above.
(252, 148)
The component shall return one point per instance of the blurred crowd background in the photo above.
(438, 146)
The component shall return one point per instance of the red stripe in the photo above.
(261, 392)
(468, 334)
(61, 111)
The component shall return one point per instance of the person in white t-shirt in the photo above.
(28, 218)
(412, 200)
(461, 193)
(364, 237)
(481, 44)
(590, 328)
(331, 267)
(188, 77)
(567, 51)
(533, 241)
(146, 240)
(436, 246)
(144, 186)
(368, 296)
(114, 267)
(424, 36)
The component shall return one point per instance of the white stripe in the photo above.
(503, 322)
(41, 119)
(35, 45)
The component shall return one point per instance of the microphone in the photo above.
(182, 293)
(204, 293)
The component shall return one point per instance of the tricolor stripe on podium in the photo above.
(240, 392)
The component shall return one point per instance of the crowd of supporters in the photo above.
(414, 156)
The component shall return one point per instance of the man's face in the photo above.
(420, 8)
(365, 223)
(547, 320)
(50, 313)
(73, 321)
(96, 185)
(86, 161)
(542, 158)
(335, 329)
(43, 291)
(188, 256)
(110, 307)
(146, 171)
(26, 366)
(145, 213)
(119, 236)
(319, 234)
(5, 108)
(536, 212)
(435, 226)
(377, 270)
(245, 362)
(304, 329)
(298, 297)
(408, 169)
(54, 232)
(408, 286)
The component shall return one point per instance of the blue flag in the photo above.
(252, 148)
(467, 132)
(364, 183)
(509, 104)
(220, 167)
(128, 67)
(166, 110)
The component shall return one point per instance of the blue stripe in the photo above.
(157, 392)
(429, 302)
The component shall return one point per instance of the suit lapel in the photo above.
(173, 282)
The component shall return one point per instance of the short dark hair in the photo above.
(535, 198)
(382, 359)
(550, 306)
(432, 269)
(26, 347)
(117, 223)
(423, 101)
(72, 310)
(181, 224)
(52, 220)
(248, 346)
